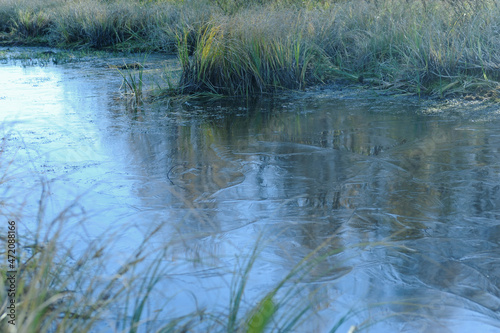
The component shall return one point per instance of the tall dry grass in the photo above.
(434, 47)
(238, 47)
(125, 25)
(243, 55)
(420, 46)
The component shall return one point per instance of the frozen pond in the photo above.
(420, 192)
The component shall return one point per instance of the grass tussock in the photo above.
(234, 56)
(133, 81)
(123, 25)
(434, 47)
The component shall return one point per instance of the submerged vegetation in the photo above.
(234, 47)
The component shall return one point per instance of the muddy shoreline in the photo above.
(158, 68)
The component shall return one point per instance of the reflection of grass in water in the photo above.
(62, 289)
(58, 294)
(58, 290)
(54, 294)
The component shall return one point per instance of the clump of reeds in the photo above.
(27, 21)
(133, 82)
(420, 46)
(431, 47)
(97, 24)
(120, 25)
(236, 56)
(31, 24)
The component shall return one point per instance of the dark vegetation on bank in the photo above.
(236, 47)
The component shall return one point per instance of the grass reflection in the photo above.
(69, 281)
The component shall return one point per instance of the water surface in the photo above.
(419, 191)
